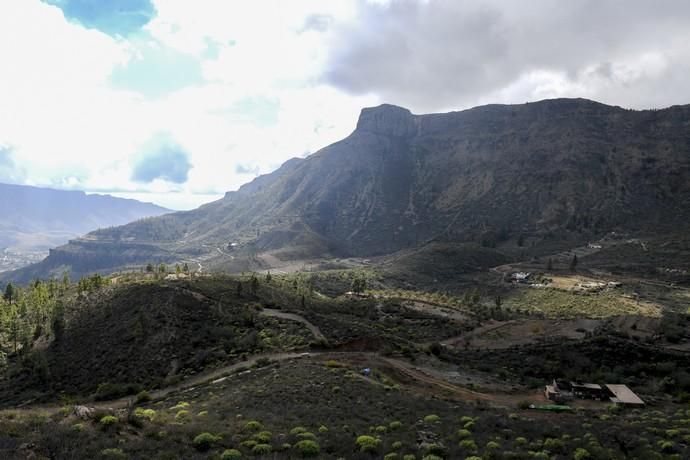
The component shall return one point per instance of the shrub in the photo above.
(367, 443)
(433, 418)
(204, 441)
(143, 397)
(473, 457)
(306, 435)
(468, 444)
(231, 454)
(249, 443)
(182, 416)
(581, 454)
(394, 425)
(381, 429)
(263, 437)
(203, 413)
(180, 405)
(520, 441)
(391, 456)
(261, 449)
(464, 419)
(323, 429)
(332, 363)
(492, 445)
(432, 457)
(78, 427)
(409, 457)
(253, 425)
(396, 445)
(308, 448)
(107, 391)
(464, 433)
(434, 449)
(113, 453)
(297, 430)
(148, 414)
(108, 421)
(468, 425)
(553, 444)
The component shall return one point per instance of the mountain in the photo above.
(545, 171)
(36, 219)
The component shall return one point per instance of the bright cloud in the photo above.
(178, 101)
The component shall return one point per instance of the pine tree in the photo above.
(9, 293)
(549, 265)
(573, 263)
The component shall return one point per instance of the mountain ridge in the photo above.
(555, 167)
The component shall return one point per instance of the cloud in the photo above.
(121, 17)
(247, 169)
(162, 158)
(442, 54)
(9, 173)
(156, 69)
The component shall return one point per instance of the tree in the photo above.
(549, 264)
(162, 268)
(521, 240)
(573, 263)
(178, 269)
(239, 289)
(498, 301)
(359, 284)
(185, 268)
(254, 284)
(9, 293)
(149, 268)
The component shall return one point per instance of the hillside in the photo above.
(41, 218)
(550, 171)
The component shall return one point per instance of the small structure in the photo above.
(624, 395)
(520, 277)
(561, 391)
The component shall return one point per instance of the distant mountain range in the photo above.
(36, 219)
(563, 168)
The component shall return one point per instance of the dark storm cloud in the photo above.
(162, 158)
(114, 17)
(444, 53)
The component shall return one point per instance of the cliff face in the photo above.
(556, 166)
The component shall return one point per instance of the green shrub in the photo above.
(148, 414)
(395, 425)
(231, 454)
(433, 418)
(462, 433)
(249, 443)
(306, 435)
(409, 457)
(182, 416)
(323, 429)
(432, 457)
(143, 397)
(78, 427)
(297, 430)
(333, 364)
(396, 445)
(581, 454)
(473, 457)
(367, 443)
(261, 449)
(492, 445)
(204, 441)
(553, 444)
(107, 391)
(107, 421)
(179, 406)
(203, 413)
(253, 425)
(307, 448)
(469, 425)
(391, 456)
(520, 441)
(263, 437)
(113, 453)
(381, 429)
(468, 444)
(464, 419)
(434, 449)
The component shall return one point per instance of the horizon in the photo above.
(177, 103)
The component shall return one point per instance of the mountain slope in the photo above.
(40, 218)
(556, 167)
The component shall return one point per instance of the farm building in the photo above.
(624, 395)
(561, 391)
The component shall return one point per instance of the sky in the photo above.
(177, 101)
